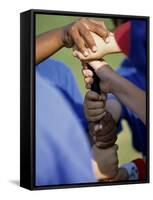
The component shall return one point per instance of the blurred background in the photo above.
(47, 22)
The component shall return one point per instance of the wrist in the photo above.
(125, 175)
(57, 35)
(136, 169)
(132, 171)
(66, 39)
(61, 36)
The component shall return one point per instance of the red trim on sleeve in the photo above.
(141, 165)
(123, 37)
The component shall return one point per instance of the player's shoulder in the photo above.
(52, 64)
(55, 72)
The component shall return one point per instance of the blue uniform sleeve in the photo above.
(134, 69)
(62, 151)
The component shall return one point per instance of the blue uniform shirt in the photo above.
(138, 129)
(62, 151)
(134, 69)
(57, 73)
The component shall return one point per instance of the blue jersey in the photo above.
(138, 129)
(134, 69)
(62, 150)
(57, 73)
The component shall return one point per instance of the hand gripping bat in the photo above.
(95, 86)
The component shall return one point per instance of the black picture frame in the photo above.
(27, 97)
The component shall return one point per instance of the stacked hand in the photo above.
(90, 40)
(79, 34)
(102, 129)
(105, 162)
(102, 126)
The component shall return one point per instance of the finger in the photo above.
(79, 42)
(104, 134)
(97, 127)
(101, 145)
(110, 126)
(107, 128)
(90, 43)
(100, 29)
(92, 95)
(96, 118)
(93, 105)
(88, 80)
(79, 55)
(107, 138)
(105, 145)
(95, 112)
(101, 23)
(87, 73)
(108, 117)
(111, 34)
(103, 97)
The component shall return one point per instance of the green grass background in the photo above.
(47, 22)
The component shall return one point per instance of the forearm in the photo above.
(48, 43)
(124, 90)
(130, 95)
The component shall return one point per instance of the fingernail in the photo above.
(100, 126)
(96, 127)
(94, 48)
(74, 54)
(107, 40)
(85, 53)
